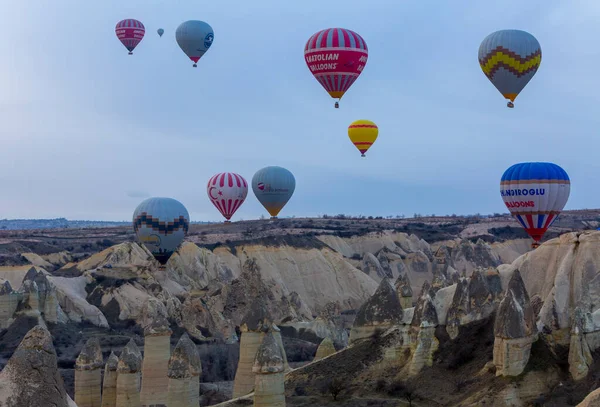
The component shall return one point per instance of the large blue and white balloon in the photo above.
(161, 224)
(535, 193)
(273, 187)
(194, 38)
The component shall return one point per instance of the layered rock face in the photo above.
(580, 355)
(381, 311)
(475, 298)
(514, 329)
(184, 374)
(157, 351)
(9, 300)
(404, 291)
(325, 349)
(423, 323)
(88, 377)
(564, 273)
(269, 389)
(254, 324)
(592, 400)
(31, 376)
(128, 376)
(109, 385)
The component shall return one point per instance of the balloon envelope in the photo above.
(161, 224)
(194, 38)
(535, 193)
(130, 32)
(336, 57)
(363, 134)
(509, 59)
(273, 187)
(160, 32)
(227, 191)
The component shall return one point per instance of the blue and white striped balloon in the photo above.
(535, 193)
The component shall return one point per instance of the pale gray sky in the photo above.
(88, 131)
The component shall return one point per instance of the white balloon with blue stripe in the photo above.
(535, 193)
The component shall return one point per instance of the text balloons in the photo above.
(363, 134)
(273, 187)
(509, 59)
(535, 193)
(227, 191)
(161, 224)
(160, 32)
(130, 32)
(194, 38)
(336, 57)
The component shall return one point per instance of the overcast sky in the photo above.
(87, 131)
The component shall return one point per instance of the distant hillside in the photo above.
(61, 223)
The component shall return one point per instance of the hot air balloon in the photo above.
(363, 134)
(273, 187)
(535, 193)
(336, 57)
(510, 58)
(160, 32)
(161, 224)
(227, 192)
(194, 38)
(130, 32)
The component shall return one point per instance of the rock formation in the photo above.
(31, 376)
(269, 390)
(423, 323)
(514, 329)
(580, 356)
(184, 374)
(9, 301)
(473, 300)
(128, 376)
(88, 377)
(592, 400)
(325, 349)
(109, 385)
(379, 312)
(404, 291)
(254, 323)
(372, 267)
(157, 350)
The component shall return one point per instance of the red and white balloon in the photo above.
(227, 191)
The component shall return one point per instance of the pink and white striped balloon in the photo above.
(227, 191)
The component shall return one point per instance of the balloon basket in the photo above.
(535, 245)
(337, 105)
(363, 156)
(227, 221)
(162, 267)
(273, 217)
(130, 53)
(195, 66)
(510, 105)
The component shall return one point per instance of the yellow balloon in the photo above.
(363, 134)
